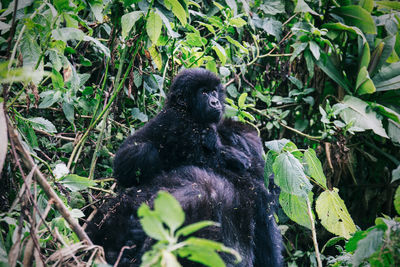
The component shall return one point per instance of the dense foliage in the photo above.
(77, 77)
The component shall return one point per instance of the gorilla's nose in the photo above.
(214, 102)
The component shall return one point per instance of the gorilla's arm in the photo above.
(135, 162)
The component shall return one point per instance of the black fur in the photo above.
(189, 151)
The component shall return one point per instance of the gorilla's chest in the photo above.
(191, 145)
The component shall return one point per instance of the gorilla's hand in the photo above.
(235, 159)
(210, 139)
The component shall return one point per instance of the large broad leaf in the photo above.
(151, 223)
(66, 34)
(42, 124)
(388, 77)
(128, 20)
(333, 214)
(314, 167)
(290, 176)
(334, 72)
(153, 26)
(169, 210)
(272, 7)
(76, 183)
(276, 145)
(304, 8)
(357, 16)
(357, 114)
(178, 10)
(367, 246)
(3, 136)
(295, 207)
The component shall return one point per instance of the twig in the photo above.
(121, 252)
(314, 233)
(12, 30)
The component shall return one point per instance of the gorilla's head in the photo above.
(200, 93)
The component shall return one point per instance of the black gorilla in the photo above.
(183, 133)
(213, 167)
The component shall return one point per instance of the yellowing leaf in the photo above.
(156, 57)
(153, 26)
(333, 214)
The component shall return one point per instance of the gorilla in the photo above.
(183, 133)
(214, 167)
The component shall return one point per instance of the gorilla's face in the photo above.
(200, 93)
(207, 105)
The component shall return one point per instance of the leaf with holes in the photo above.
(333, 214)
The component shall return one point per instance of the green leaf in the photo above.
(333, 214)
(367, 5)
(342, 27)
(153, 26)
(97, 9)
(334, 72)
(203, 255)
(66, 34)
(68, 109)
(331, 242)
(272, 7)
(242, 99)
(388, 4)
(194, 227)
(57, 79)
(151, 223)
(169, 210)
(220, 52)
(357, 16)
(314, 49)
(98, 44)
(365, 56)
(367, 246)
(289, 175)
(42, 124)
(276, 145)
(76, 183)
(200, 246)
(237, 22)
(397, 197)
(237, 44)
(388, 77)
(364, 84)
(298, 48)
(314, 167)
(295, 207)
(394, 131)
(178, 11)
(128, 20)
(356, 113)
(303, 7)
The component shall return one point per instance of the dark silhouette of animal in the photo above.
(213, 166)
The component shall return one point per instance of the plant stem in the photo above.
(314, 233)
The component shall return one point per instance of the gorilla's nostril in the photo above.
(214, 103)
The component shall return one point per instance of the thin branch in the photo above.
(314, 233)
